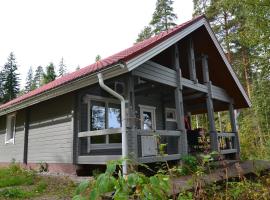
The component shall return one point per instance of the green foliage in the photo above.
(14, 175)
(62, 68)
(145, 34)
(15, 193)
(163, 17)
(98, 58)
(162, 20)
(50, 74)
(30, 83)
(133, 186)
(187, 195)
(189, 165)
(10, 79)
(38, 77)
(242, 27)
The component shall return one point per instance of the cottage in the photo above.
(116, 106)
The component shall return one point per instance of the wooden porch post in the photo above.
(209, 103)
(76, 109)
(191, 62)
(234, 129)
(26, 134)
(182, 142)
(131, 119)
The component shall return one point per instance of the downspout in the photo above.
(123, 117)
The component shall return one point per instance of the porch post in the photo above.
(182, 142)
(191, 62)
(209, 103)
(234, 128)
(131, 119)
(26, 134)
(76, 109)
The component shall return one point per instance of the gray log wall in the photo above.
(51, 131)
(12, 151)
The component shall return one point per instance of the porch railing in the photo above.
(227, 143)
(99, 152)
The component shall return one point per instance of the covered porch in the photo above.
(158, 95)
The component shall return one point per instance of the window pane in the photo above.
(114, 116)
(98, 139)
(115, 138)
(97, 115)
(147, 120)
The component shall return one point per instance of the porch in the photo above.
(158, 97)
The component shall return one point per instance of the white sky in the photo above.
(42, 31)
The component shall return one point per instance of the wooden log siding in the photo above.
(209, 103)
(179, 104)
(16, 150)
(234, 128)
(164, 75)
(50, 134)
(191, 61)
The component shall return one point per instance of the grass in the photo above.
(18, 183)
(14, 175)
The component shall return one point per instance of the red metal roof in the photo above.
(122, 56)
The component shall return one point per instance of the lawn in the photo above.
(17, 183)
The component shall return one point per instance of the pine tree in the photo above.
(163, 17)
(30, 83)
(10, 79)
(243, 30)
(1, 86)
(62, 68)
(38, 77)
(50, 74)
(98, 58)
(145, 34)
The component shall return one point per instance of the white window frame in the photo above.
(150, 109)
(107, 101)
(174, 114)
(8, 129)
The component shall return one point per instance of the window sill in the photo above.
(10, 141)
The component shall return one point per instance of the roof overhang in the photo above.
(110, 72)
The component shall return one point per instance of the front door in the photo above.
(148, 123)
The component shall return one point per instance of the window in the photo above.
(10, 130)
(148, 117)
(170, 114)
(104, 113)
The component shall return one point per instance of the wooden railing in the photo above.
(89, 153)
(227, 143)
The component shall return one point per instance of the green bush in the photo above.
(133, 186)
(189, 165)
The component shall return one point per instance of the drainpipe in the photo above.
(123, 117)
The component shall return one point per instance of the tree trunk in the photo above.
(246, 71)
(227, 44)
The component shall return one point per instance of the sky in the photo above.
(44, 31)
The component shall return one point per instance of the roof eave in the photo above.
(71, 86)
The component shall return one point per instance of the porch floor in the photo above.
(234, 170)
